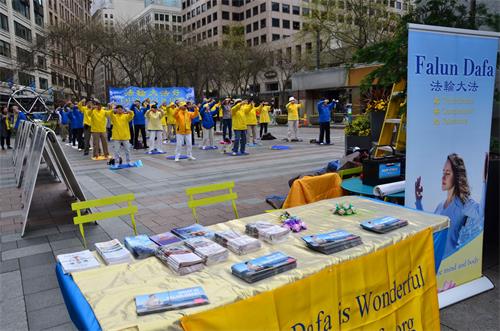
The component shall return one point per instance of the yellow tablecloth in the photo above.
(110, 290)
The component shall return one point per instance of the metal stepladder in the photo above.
(394, 122)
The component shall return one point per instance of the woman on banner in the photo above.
(458, 206)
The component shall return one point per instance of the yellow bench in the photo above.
(92, 217)
(194, 203)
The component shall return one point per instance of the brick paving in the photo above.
(29, 292)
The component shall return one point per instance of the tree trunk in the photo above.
(472, 14)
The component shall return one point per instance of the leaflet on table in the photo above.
(141, 246)
(165, 238)
(385, 221)
(272, 260)
(205, 246)
(113, 252)
(170, 300)
(329, 237)
(195, 230)
(179, 254)
(77, 261)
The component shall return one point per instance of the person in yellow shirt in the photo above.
(238, 114)
(171, 122)
(164, 133)
(251, 120)
(154, 116)
(97, 115)
(5, 128)
(120, 135)
(264, 118)
(293, 107)
(183, 119)
(85, 107)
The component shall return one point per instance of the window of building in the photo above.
(296, 10)
(4, 22)
(398, 4)
(167, 18)
(40, 62)
(209, 19)
(263, 39)
(198, 24)
(238, 3)
(248, 13)
(262, 7)
(204, 35)
(285, 8)
(26, 79)
(105, 15)
(237, 17)
(296, 25)
(174, 18)
(276, 23)
(225, 2)
(162, 17)
(309, 48)
(22, 7)
(276, 37)
(22, 31)
(157, 18)
(255, 10)
(225, 29)
(249, 42)
(4, 48)
(272, 86)
(286, 24)
(249, 28)
(286, 36)
(209, 32)
(225, 15)
(44, 83)
(203, 21)
(263, 23)
(214, 3)
(298, 50)
(209, 4)
(111, 15)
(275, 6)
(256, 41)
(215, 31)
(305, 11)
(204, 8)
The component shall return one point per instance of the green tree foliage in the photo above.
(393, 52)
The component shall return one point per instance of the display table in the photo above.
(110, 290)
(355, 185)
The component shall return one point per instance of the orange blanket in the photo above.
(313, 188)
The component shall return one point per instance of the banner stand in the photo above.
(464, 291)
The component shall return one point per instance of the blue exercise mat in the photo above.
(208, 148)
(155, 152)
(135, 164)
(172, 157)
(280, 147)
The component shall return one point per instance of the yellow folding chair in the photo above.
(350, 172)
(98, 216)
(194, 203)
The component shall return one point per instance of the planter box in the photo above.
(363, 142)
(282, 119)
(376, 122)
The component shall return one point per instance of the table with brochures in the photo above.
(103, 298)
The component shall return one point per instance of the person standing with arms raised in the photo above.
(325, 116)
(293, 106)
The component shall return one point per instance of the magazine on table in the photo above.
(383, 224)
(113, 252)
(237, 242)
(192, 231)
(165, 238)
(210, 251)
(77, 261)
(263, 267)
(140, 246)
(269, 232)
(178, 255)
(170, 300)
(333, 237)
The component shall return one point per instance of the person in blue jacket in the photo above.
(76, 125)
(140, 123)
(19, 115)
(208, 123)
(325, 116)
(63, 122)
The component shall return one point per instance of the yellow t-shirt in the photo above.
(264, 114)
(164, 117)
(86, 113)
(97, 120)
(170, 114)
(251, 116)
(293, 111)
(121, 130)
(154, 120)
(238, 113)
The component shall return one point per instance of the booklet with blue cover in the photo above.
(192, 231)
(332, 242)
(141, 246)
(165, 238)
(383, 224)
(263, 267)
(170, 300)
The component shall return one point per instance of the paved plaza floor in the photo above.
(30, 298)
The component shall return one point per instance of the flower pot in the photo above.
(376, 122)
(282, 119)
(363, 142)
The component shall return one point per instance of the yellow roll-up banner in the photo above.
(391, 289)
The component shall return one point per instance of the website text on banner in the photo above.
(451, 77)
(391, 289)
(126, 96)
